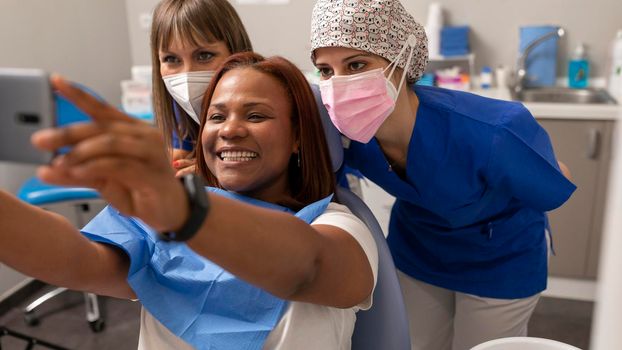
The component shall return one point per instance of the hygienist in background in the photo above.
(473, 177)
(190, 39)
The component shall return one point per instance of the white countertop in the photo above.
(560, 110)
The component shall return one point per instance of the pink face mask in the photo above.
(358, 104)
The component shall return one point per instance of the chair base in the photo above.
(93, 315)
(30, 341)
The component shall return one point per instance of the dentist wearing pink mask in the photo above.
(473, 177)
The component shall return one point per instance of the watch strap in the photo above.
(198, 205)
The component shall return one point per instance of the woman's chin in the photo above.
(238, 185)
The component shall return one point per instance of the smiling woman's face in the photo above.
(248, 138)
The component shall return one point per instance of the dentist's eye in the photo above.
(326, 72)
(355, 66)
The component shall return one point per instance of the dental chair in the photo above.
(78, 205)
(385, 324)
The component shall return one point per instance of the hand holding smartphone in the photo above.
(123, 158)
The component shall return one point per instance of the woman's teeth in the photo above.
(237, 156)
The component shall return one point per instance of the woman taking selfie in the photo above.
(263, 260)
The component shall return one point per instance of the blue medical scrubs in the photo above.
(185, 144)
(470, 209)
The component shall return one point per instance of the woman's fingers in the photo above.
(113, 192)
(98, 110)
(184, 166)
(179, 154)
(149, 149)
(183, 163)
(118, 137)
(187, 170)
(54, 138)
(133, 188)
(62, 177)
(126, 171)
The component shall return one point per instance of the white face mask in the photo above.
(188, 89)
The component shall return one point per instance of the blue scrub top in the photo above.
(470, 214)
(185, 144)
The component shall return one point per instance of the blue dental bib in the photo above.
(194, 298)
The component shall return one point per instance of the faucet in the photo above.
(521, 71)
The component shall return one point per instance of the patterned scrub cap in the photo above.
(380, 27)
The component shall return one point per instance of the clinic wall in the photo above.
(138, 12)
(86, 41)
(495, 25)
(284, 29)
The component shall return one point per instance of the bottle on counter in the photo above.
(485, 78)
(501, 76)
(615, 75)
(578, 68)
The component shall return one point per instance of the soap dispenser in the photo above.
(578, 68)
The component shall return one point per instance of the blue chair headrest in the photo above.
(67, 112)
(333, 137)
(36, 192)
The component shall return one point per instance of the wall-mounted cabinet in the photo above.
(585, 147)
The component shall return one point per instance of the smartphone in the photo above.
(26, 105)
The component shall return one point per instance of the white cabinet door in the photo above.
(585, 147)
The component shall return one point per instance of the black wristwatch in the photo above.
(198, 204)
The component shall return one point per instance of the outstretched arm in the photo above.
(320, 264)
(46, 246)
(126, 161)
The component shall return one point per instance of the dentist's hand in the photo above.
(183, 163)
(119, 156)
(184, 166)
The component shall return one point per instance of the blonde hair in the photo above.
(193, 21)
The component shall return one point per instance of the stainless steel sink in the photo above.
(564, 95)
